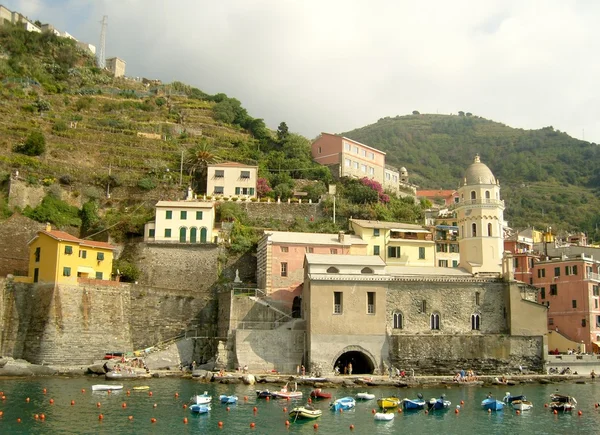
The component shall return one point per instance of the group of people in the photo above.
(347, 369)
(399, 373)
(462, 376)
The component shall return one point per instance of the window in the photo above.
(346, 146)
(376, 250)
(36, 274)
(310, 250)
(284, 269)
(550, 321)
(355, 165)
(237, 190)
(68, 250)
(371, 171)
(516, 262)
(477, 296)
(370, 302)
(371, 156)
(421, 253)
(375, 232)
(355, 149)
(489, 230)
(320, 151)
(541, 273)
(595, 289)
(167, 233)
(583, 323)
(543, 292)
(251, 191)
(423, 306)
(219, 173)
(557, 271)
(435, 321)
(394, 251)
(553, 290)
(152, 233)
(169, 214)
(398, 321)
(597, 320)
(474, 230)
(285, 249)
(99, 275)
(245, 174)
(571, 270)
(366, 270)
(387, 175)
(183, 215)
(66, 271)
(83, 254)
(596, 303)
(38, 251)
(347, 162)
(473, 195)
(333, 251)
(337, 302)
(363, 168)
(442, 263)
(454, 263)
(199, 215)
(475, 322)
(100, 256)
(454, 248)
(219, 190)
(363, 153)
(574, 303)
(333, 270)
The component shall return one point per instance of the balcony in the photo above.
(593, 276)
(481, 201)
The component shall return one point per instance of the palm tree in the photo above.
(198, 159)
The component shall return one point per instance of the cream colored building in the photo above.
(231, 179)
(187, 221)
(398, 244)
(480, 217)
(116, 66)
(391, 179)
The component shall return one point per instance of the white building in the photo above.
(231, 179)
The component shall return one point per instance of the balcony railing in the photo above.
(479, 201)
(594, 276)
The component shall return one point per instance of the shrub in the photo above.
(160, 101)
(66, 179)
(92, 192)
(55, 211)
(35, 144)
(60, 126)
(146, 184)
(128, 271)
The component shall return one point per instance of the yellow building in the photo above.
(397, 244)
(59, 257)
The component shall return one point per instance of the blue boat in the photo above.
(440, 403)
(414, 404)
(344, 403)
(200, 409)
(493, 404)
(510, 399)
(232, 400)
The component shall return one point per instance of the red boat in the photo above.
(319, 394)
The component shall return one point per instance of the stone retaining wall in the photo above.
(263, 351)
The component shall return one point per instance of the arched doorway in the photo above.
(362, 364)
(203, 235)
(193, 235)
(182, 234)
(297, 307)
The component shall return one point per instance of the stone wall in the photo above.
(21, 194)
(15, 233)
(448, 354)
(263, 351)
(266, 212)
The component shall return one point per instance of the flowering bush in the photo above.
(262, 187)
(376, 186)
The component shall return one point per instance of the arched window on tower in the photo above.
(475, 322)
(333, 270)
(474, 230)
(435, 321)
(366, 270)
(398, 320)
(490, 230)
(473, 194)
(487, 194)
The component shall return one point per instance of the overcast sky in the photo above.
(329, 65)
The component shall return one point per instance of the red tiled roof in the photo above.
(436, 193)
(66, 237)
(232, 164)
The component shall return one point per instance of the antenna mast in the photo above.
(102, 52)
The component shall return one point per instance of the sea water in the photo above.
(171, 394)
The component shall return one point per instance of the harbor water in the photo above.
(167, 407)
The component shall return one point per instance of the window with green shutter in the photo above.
(66, 271)
(421, 253)
(169, 214)
(237, 190)
(198, 215)
(183, 215)
(100, 256)
(151, 233)
(99, 275)
(376, 250)
(82, 254)
(167, 232)
(251, 191)
(38, 252)
(68, 250)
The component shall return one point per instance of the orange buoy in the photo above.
(555, 412)
(72, 402)
(100, 417)
(109, 391)
(184, 406)
(128, 392)
(518, 412)
(150, 393)
(27, 400)
(284, 409)
(309, 400)
(124, 405)
(18, 420)
(456, 411)
(42, 416)
(98, 405)
(220, 424)
(36, 416)
(130, 417)
(44, 391)
(341, 410)
(399, 410)
(267, 398)
(245, 397)
(545, 405)
(462, 402)
(176, 396)
(185, 420)
(51, 401)
(255, 409)
(579, 413)
(3, 397)
(315, 426)
(227, 409)
(252, 425)
(351, 427)
(152, 420)
(83, 390)
(373, 411)
(287, 423)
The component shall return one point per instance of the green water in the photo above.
(82, 418)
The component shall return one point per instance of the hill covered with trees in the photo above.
(547, 177)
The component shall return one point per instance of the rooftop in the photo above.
(231, 165)
(355, 141)
(313, 238)
(185, 204)
(66, 237)
(344, 260)
(435, 193)
(388, 225)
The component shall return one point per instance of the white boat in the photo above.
(201, 399)
(105, 387)
(365, 396)
(384, 416)
(284, 393)
(522, 405)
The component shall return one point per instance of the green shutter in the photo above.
(391, 251)
(252, 191)
(169, 214)
(376, 250)
(198, 215)
(237, 190)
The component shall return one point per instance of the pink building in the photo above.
(349, 158)
(439, 197)
(280, 260)
(524, 259)
(570, 288)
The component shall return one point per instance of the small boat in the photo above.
(365, 396)
(440, 403)
(388, 402)
(414, 404)
(492, 404)
(201, 399)
(509, 399)
(305, 412)
(200, 408)
(228, 399)
(385, 415)
(562, 403)
(319, 394)
(141, 388)
(103, 387)
(263, 394)
(284, 393)
(120, 375)
(344, 403)
(522, 405)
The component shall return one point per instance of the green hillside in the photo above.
(547, 177)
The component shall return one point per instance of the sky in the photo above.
(335, 65)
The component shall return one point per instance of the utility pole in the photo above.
(102, 51)
(108, 181)
(181, 170)
(332, 191)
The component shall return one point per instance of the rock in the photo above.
(210, 365)
(249, 379)
(96, 369)
(545, 381)
(200, 373)
(24, 368)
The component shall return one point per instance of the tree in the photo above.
(282, 132)
(262, 187)
(416, 112)
(461, 113)
(35, 144)
(199, 157)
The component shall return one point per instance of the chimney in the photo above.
(48, 226)
(341, 237)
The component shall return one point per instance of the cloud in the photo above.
(328, 65)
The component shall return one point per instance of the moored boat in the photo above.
(384, 416)
(141, 388)
(305, 412)
(263, 394)
(388, 402)
(522, 405)
(414, 404)
(365, 396)
(344, 403)
(200, 408)
(440, 403)
(228, 399)
(509, 399)
(320, 394)
(201, 399)
(492, 404)
(284, 393)
(106, 387)
(562, 403)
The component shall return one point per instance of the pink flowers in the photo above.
(376, 186)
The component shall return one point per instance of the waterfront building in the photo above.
(60, 258)
(231, 179)
(520, 245)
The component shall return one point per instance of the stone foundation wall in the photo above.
(265, 212)
(263, 351)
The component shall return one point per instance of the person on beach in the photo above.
(349, 368)
(303, 370)
(593, 374)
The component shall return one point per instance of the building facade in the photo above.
(116, 66)
(60, 258)
(442, 198)
(391, 180)
(188, 221)
(231, 179)
(349, 158)
(398, 244)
